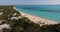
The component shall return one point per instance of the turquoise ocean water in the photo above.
(51, 12)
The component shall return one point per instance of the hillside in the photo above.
(15, 22)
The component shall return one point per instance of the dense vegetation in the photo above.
(24, 24)
(7, 10)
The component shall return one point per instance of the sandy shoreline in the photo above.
(37, 19)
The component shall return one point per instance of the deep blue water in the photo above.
(51, 12)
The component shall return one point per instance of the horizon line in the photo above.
(35, 4)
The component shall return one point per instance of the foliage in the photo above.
(6, 30)
(7, 10)
(51, 28)
(23, 25)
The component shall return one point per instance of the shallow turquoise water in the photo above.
(47, 12)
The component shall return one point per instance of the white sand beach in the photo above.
(37, 19)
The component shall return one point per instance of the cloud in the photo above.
(28, 2)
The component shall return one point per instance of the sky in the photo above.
(28, 2)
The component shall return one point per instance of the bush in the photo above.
(6, 30)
